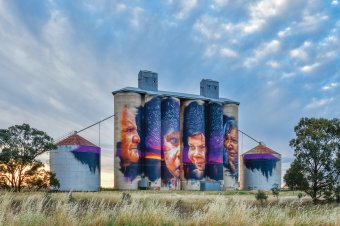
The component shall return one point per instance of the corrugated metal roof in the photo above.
(261, 149)
(174, 94)
(75, 139)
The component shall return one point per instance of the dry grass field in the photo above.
(161, 208)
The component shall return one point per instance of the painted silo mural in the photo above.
(128, 116)
(230, 153)
(153, 143)
(174, 142)
(214, 135)
(76, 163)
(170, 118)
(261, 168)
(194, 144)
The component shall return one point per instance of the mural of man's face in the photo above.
(197, 150)
(231, 145)
(171, 153)
(129, 137)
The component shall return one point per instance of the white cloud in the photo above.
(298, 53)
(136, 20)
(254, 25)
(330, 40)
(331, 86)
(225, 52)
(56, 104)
(316, 103)
(261, 12)
(206, 26)
(221, 3)
(267, 48)
(309, 68)
(186, 7)
(306, 44)
(287, 75)
(284, 32)
(210, 51)
(335, 2)
(312, 22)
(273, 64)
(121, 7)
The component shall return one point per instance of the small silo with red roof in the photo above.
(76, 163)
(260, 168)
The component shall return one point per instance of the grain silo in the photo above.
(127, 138)
(153, 143)
(214, 135)
(170, 124)
(260, 168)
(230, 144)
(76, 163)
(194, 144)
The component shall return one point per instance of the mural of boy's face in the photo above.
(171, 153)
(197, 150)
(231, 145)
(129, 137)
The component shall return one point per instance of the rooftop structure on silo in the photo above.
(148, 84)
(209, 88)
(148, 80)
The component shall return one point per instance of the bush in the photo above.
(261, 196)
(276, 190)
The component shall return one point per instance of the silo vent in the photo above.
(148, 80)
(209, 88)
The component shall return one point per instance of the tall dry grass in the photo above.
(145, 208)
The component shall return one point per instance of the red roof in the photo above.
(75, 139)
(261, 149)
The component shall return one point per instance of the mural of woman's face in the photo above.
(231, 145)
(171, 153)
(129, 137)
(197, 150)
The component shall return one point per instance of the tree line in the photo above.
(315, 169)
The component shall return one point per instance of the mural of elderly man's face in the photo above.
(129, 137)
(197, 150)
(171, 153)
(231, 145)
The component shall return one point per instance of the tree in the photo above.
(316, 148)
(19, 147)
(276, 190)
(294, 177)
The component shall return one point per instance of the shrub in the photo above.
(276, 190)
(261, 196)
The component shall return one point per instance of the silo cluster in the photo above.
(169, 140)
(174, 141)
(260, 168)
(76, 163)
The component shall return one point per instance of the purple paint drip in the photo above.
(259, 156)
(91, 149)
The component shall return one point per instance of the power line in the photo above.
(95, 124)
(75, 132)
(250, 137)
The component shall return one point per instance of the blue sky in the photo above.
(60, 61)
